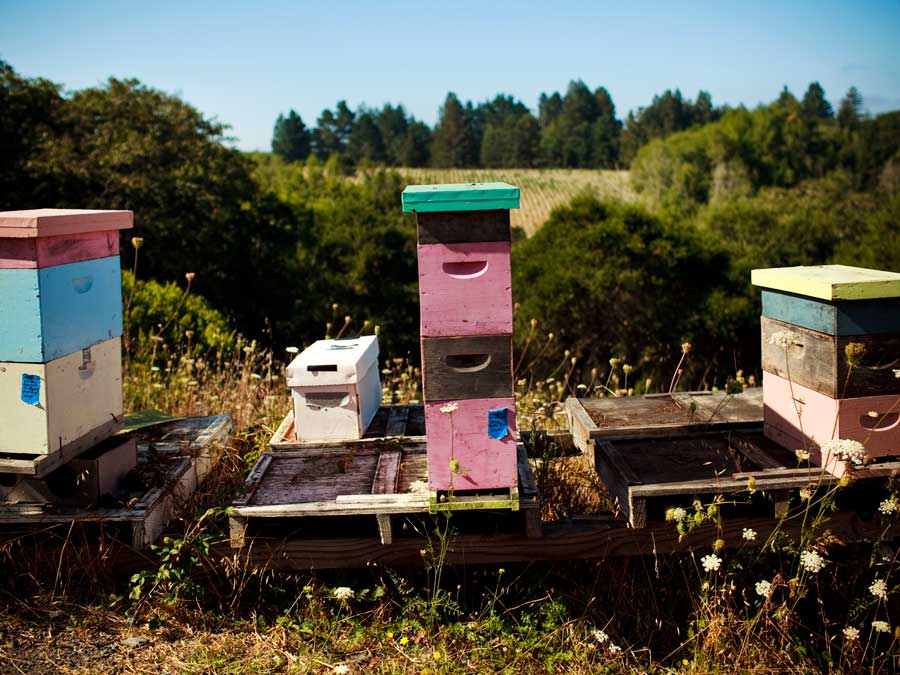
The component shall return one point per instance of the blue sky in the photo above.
(244, 62)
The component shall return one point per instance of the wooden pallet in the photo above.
(188, 450)
(648, 475)
(660, 415)
(361, 481)
(404, 424)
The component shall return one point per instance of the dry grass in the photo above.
(542, 189)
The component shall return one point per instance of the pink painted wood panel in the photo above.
(483, 462)
(57, 222)
(798, 417)
(37, 252)
(465, 289)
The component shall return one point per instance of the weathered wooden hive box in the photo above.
(466, 322)
(831, 359)
(61, 328)
(336, 388)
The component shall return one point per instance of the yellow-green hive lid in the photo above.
(829, 282)
(460, 197)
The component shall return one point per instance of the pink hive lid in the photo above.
(54, 222)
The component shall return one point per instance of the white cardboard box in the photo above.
(336, 388)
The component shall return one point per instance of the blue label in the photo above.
(498, 423)
(31, 389)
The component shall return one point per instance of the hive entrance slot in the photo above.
(468, 363)
(465, 270)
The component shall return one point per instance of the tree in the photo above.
(453, 142)
(365, 141)
(849, 110)
(291, 138)
(416, 143)
(814, 102)
(333, 131)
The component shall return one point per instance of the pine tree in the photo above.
(291, 138)
(814, 102)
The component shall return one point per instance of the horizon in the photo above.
(248, 64)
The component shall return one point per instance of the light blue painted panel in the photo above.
(54, 311)
(20, 316)
(841, 317)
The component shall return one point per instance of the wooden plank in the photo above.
(818, 360)
(571, 540)
(32, 253)
(251, 483)
(829, 282)
(614, 480)
(451, 227)
(459, 197)
(413, 432)
(472, 367)
(58, 222)
(387, 473)
(396, 423)
(847, 317)
(752, 451)
(526, 476)
(582, 426)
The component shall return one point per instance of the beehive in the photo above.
(336, 388)
(831, 359)
(466, 322)
(60, 337)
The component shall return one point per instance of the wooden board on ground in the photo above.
(660, 415)
(331, 488)
(173, 459)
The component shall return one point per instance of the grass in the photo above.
(542, 189)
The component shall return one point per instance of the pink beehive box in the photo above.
(465, 289)
(800, 418)
(462, 454)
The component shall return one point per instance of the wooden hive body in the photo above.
(336, 388)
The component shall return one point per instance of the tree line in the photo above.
(577, 129)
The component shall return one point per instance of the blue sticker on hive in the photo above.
(31, 389)
(498, 423)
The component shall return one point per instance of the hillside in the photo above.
(542, 189)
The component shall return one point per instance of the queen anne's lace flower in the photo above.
(343, 593)
(600, 636)
(888, 506)
(851, 633)
(881, 626)
(449, 408)
(614, 649)
(341, 669)
(878, 588)
(802, 455)
(784, 338)
(749, 534)
(763, 588)
(678, 514)
(812, 562)
(846, 449)
(711, 562)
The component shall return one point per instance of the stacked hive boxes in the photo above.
(60, 330)
(465, 297)
(831, 359)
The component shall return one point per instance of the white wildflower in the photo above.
(678, 514)
(881, 626)
(614, 649)
(600, 636)
(872, 414)
(419, 487)
(449, 408)
(749, 534)
(897, 372)
(763, 588)
(851, 633)
(291, 350)
(802, 455)
(878, 588)
(342, 593)
(805, 494)
(846, 449)
(711, 562)
(341, 669)
(812, 561)
(888, 506)
(784, 338)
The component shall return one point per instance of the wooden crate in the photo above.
(483, 461)
(61, 407)
(471, 367)
(173, 459)
(336, 388)
(54, 311)
(800, 418)
(347, 486)
(592, 419)
(465, 289)
(818, 361)
(32, 253)
(839, 317)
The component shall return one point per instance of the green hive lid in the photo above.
(460, 197)
(829, 282)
